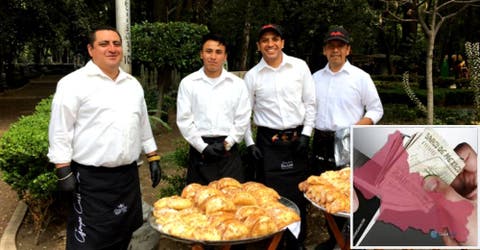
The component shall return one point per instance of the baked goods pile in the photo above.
(330, 190)
(223, 210)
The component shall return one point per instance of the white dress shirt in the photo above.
(212, 107)
(283, 97)
(345, 97)
(98, 121)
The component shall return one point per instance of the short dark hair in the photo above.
(214, 37)
(92, 34)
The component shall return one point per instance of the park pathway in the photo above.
(18, 102)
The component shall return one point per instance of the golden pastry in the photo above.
(218, 203)
(264, 225)
(191, 190)
(223, 210)
(331, 190)
(175, 202)
(233, 229)
(203, 194)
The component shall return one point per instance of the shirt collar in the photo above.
(286, 61)
(347, 68)
(200, 74)
(93, 70)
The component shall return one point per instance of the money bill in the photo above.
(429, 154)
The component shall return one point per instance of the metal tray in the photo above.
(340, 214)
(284, 201)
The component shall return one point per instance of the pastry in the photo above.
(330, 190)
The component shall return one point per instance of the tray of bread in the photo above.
(224, 212)
(329, 191)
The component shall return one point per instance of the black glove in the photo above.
(155, 171)
(254, 152)
(66, 180)
(214, 150)
(302, 147)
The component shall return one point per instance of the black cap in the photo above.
(337, 33)
(270, 27)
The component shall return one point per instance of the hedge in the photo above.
(442, 96)
(25, 166)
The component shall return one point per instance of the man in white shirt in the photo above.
(282, 95)
(98, 128)
(346, 95)
(213, 115)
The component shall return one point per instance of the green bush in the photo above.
(400, 114)
(459, 116)
(23, 157)
(25, 166)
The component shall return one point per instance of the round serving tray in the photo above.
(284, 201)
(340, 214)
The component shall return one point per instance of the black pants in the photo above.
(283, 169)
(106, 208)
(323, 156)
(203, 170)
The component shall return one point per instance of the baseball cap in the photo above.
(270, 27)
(337, 33)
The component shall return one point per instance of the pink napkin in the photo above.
(404, 202)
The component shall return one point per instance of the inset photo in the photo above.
(414, 186)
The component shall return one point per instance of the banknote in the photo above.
(430, 154)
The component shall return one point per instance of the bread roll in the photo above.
(207, 233)
(218, 203)
(233, 229)
(191, 190)
(165, 215)
(179, 228)
(282, 216)
(175, 202)
(204, 193)
(244, 199)
(228, 182)
(243, 212)
(264, 225)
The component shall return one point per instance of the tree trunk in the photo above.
(428, 75)
(164, 82)
(431, 33)
(160, 10)
(246, 38)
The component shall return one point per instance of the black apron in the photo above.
(107, 207)
(204, 170)
(282, 168)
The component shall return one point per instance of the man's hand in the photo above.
(464, 187)
(155, 170)
(254, 152)
(302, 147)
(214, 150)
(66, 180)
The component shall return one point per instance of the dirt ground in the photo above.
(14, 104)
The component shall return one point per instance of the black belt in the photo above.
(213, 139)
(290, 134)
(101, 169)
